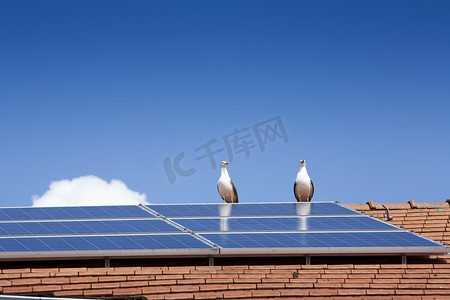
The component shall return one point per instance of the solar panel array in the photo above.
(321, 228)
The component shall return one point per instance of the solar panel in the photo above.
(69, 213)
(318, 240)
(85, 227)
(201, 229)
(251, 209)
(91, 243)
(284, 224)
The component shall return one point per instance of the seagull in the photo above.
(303, 186)
(225, 185)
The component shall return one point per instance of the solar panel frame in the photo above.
(32, 235)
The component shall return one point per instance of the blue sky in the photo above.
(113, 88)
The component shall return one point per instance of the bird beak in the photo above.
(227, 163)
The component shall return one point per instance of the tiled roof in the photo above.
(323, 279)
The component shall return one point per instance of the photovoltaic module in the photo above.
(163, 230)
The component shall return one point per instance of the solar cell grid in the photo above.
(312, 240)
(70, 213)
(87, 243)
(244, 209)
(85, 227)
(285, 224)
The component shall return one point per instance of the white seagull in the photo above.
(303, 186)
(225, 185)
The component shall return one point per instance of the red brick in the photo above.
(376, 266)
(327, 285)
(323, 292)
(306, 267)
(380, 292)
(80, 286)
(24, 270)
(237, 294)
(93, 272)
(162, 282)
(355, 285)
(294, 292)
(11, 276)
(179, 296)
(168, 277)
(270, 285)
(55, 280)
(252, 275)
(192, 276)
(386, 280)
(438, 280)
(361, 276)
(364, 271)
(213, 287)
(103, 292)
(191, 281)
(334, 276)
(416, 275)
(133, 283)
(340, 267)
(65, 273)
(262, 267)
(329, 280)
(178, 270)
(208, 295)
(35, 275)
(437, 292)
(438, 285)
(394, 266)
(293, 267)
(28, 281)
(46, 288)
(353, 292)
(235, 267)
(241, 286)
(266, 293)
(268, 280)
(297, 285)
(383, 285)
(68, 293)
(420, 271)
(150, 271)
(388, 275)
(409, 292)
(219, 280)
(140, 277)
(155, 290)
(246, 280)
(111, 278)
(105, 285)
(88, 279)
(184, 288)
(208, 268)
(154, 297)
(127, 292)
(17, 289)
(39, 270)
(5, 283)
(411, 286)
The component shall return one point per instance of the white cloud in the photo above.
(88, 190)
